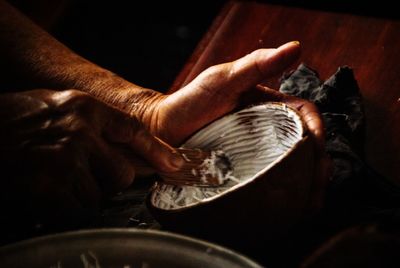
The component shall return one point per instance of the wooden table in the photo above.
(370, 46)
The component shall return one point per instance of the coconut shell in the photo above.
(262, 209)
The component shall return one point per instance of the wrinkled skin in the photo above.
(67, 150)
(63, 151)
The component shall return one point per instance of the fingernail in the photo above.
(177, 161)
(296, 42)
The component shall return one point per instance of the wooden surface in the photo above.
(370, 46)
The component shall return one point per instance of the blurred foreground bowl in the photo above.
(273, 161)
(122, 248)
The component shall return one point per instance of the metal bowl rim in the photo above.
(114, 233)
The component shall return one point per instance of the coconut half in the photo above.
(253, 139)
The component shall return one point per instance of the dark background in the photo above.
(143, 41)
(147, 42)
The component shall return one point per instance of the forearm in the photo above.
(40, 58)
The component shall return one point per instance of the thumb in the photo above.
(260, 64)
(129, 131)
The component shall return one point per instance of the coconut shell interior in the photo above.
(254, 140)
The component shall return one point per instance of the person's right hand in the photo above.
(60, 153)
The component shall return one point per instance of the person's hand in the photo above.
(217, 91)
(222, 88)
(314, 123)
(61, 152)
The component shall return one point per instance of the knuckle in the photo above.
(212, 70)
(69, 94)
(61, 149)
(77, 126)
(72, 98)
(220, 71)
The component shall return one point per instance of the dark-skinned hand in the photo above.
(62, 152)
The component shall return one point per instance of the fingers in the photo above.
(259, 94)
(219, 89)
(110, 167)
(119, 127)
(163, 157)
(126, 130)
(315, 126)
(323, 166)
(313, 121)
(308, 111)
(261, 64)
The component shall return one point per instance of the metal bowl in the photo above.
(123, 248)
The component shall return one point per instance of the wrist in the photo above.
(141, 103)
(130, 98)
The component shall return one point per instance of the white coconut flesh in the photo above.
(253, 140)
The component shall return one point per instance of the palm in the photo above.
(217, 91)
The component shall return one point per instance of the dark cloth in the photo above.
(356, 194)
(355, 188)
